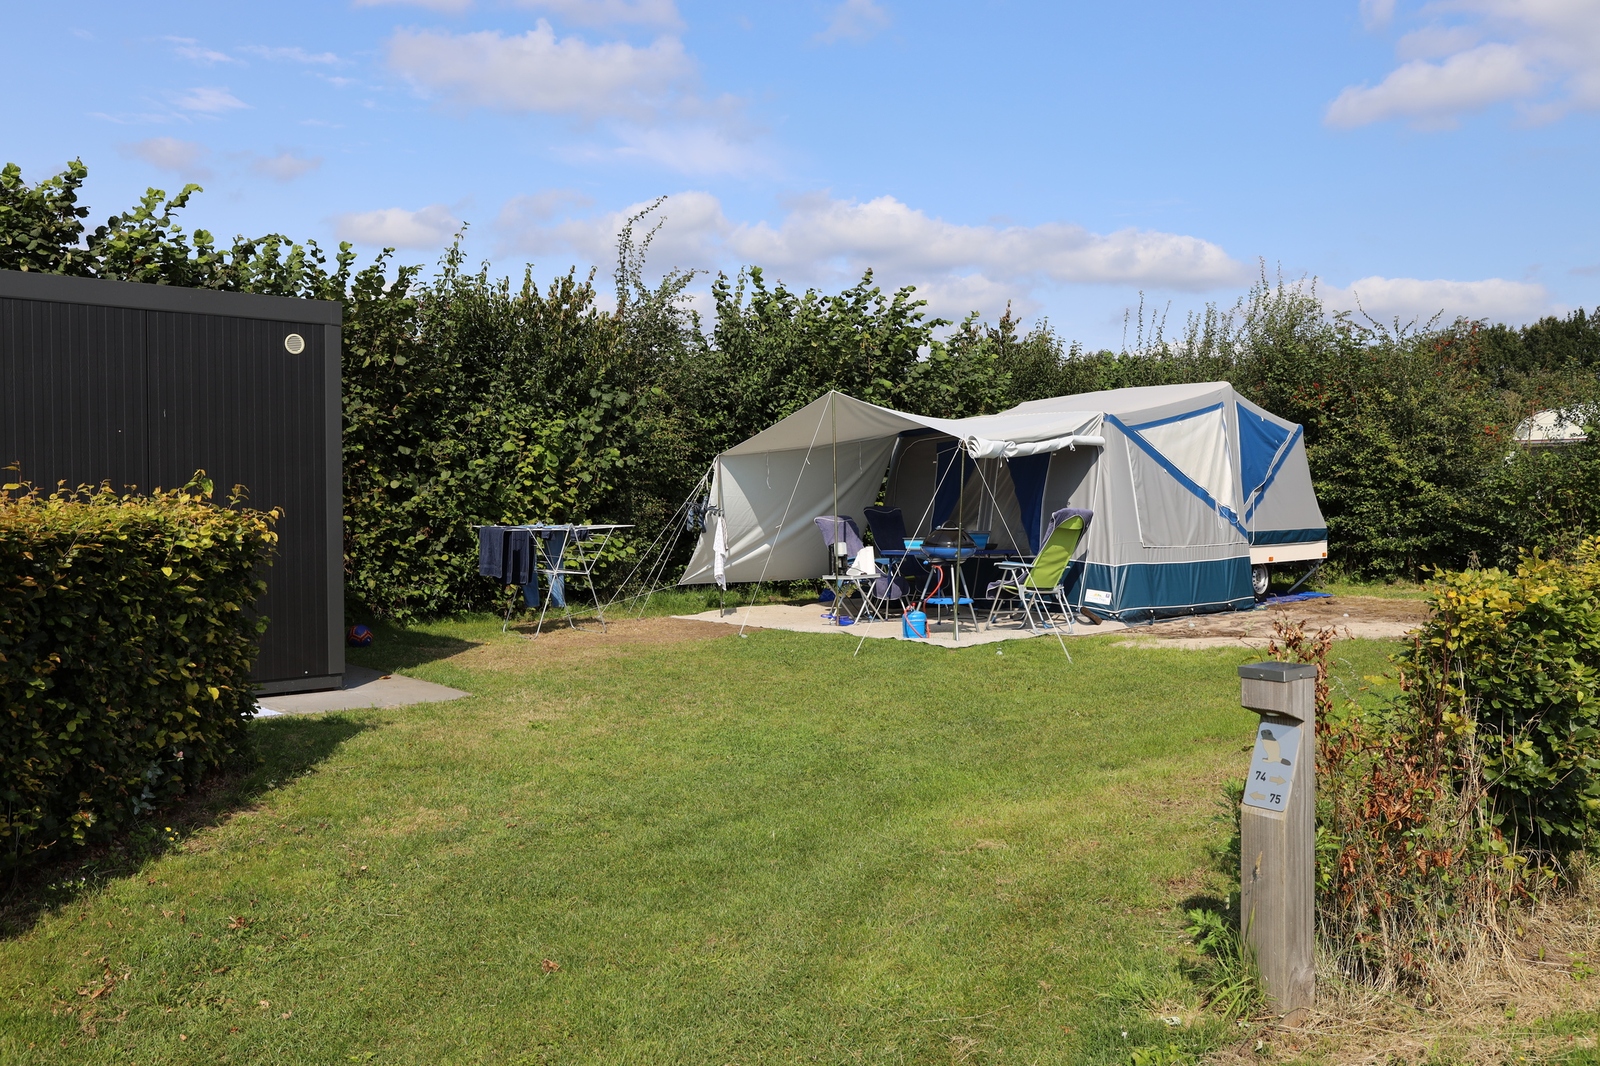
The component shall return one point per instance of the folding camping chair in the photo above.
(905, 571)
(846, 567)
(1035, 584)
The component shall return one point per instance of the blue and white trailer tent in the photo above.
(1191, 486)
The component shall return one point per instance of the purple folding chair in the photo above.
(843, 539)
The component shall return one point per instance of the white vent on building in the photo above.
(294, 343)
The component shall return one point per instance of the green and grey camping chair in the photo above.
(1034, 585)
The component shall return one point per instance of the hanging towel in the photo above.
(555, 546)
(492, 544)
(519, 563)
(719, 554)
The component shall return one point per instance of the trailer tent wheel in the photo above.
(1260, 580)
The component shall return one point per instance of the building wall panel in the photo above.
(142, 385)
(226, 396)
(73, 381)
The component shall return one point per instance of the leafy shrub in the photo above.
(1409, 867)
(1232, 984)
(1515, 654)
(1475, 782)
(126, 641)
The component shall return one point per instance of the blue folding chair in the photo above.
(906, 573)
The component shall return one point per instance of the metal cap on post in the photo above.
(1278, 831)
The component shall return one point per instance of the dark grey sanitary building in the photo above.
(142, 385)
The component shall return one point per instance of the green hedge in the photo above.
(1520, 650)
(126, 642)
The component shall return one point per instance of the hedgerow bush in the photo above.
(1516, 653)
(1475, 783)
(126, 642)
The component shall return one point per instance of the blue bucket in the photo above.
(914, 625)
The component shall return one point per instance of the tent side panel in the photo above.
(1288, 512)
(912, 481)
(770, 500)
(1138, 591)
(1203, 564)
(1171, 515)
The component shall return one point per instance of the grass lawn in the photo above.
(1390, 590)
(708, 850)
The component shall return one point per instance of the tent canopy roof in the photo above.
(855, 420)
(1028, 428)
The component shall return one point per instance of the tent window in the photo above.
(1196, 444)
(1259, 442)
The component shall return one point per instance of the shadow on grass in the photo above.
(283, 749)
(397, 648)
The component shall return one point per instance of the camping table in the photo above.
(839, 582)
(580, 552)
(938, 560)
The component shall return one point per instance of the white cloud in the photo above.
(448, 7)
(1435, 42)
(1376, 14)
(663, 13)
(430, 227)
(956, 296)
(893, 236)
(539, 72)
(1433, 94)
(209, 100)
(693, 149)
(1386, 299)
(193, 50)
(285, 166)
(855, 20)
(521, 211)
(291, 54)
(1542, 55)
(824, 241)
(642, 95)
(185, 158)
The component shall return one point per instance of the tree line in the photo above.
(473, 399)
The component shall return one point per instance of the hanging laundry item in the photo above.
(520, 566)
(493, 543)
(719, 555)
(554, 547)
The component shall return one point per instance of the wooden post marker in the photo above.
(1278, 833)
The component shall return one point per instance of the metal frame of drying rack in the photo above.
(579, 556)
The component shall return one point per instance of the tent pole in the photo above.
(722, 600)
(961, 521)
(838, 523)
(834, 412)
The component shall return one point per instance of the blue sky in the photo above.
(1061, 156)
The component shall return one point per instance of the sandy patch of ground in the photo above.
(809, 618)
(1369, 617)
(1355, 616)
(559, 642)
